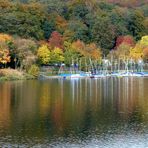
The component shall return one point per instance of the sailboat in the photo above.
(73, 73)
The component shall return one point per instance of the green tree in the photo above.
(70, 53)
(136, 25)
(22, 20)
(80, 30)
(118, 19)
(48, 27)
(34, 70)
(79, 10)
(103, 33)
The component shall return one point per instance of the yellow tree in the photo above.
(93, 51)
(4, 52)
(141, 49)
(144, 45)
(5, 37)
(57, 55)
(4, 56)
(136, 53)
(44, 54)
(144, 40)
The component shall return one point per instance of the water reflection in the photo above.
(5, 105)
(40, 112)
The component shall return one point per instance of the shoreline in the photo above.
(14, 75)
(97, 76)
(5, 78)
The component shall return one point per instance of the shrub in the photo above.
(11, 74)
(34, 70)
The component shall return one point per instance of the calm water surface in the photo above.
(104, 113)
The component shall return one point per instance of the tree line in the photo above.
(47, 31)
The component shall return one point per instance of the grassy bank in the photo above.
(12, 74)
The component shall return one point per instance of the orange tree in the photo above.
(4, 56)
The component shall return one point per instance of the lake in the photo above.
(91, 113)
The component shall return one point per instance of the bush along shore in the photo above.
(13, 74)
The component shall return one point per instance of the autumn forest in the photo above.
(45, 32)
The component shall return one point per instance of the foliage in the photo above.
(79, 46)
(61, 24)
(80, 31)
(136, 53)
(57, 55)
(124, 40)
(103, 33)
(118, 19)
(145, 52)
(90, 20)
(144, 41)
(48, 27)
(144, 45)
(94, 51)
(87, 50)
(4, 52)
(70, 53)
(44, 54)
(23, 53)
(22, 19)
(141, 49)
(34, 70)
(5, 37)
(122, 51)
(56, 40)
(4, 56)
(10, 74)
(136, 24)
(66, 30)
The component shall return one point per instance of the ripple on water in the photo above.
(102, 113)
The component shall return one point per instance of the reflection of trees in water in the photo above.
(126, 101)
(130, 95)
(143, 99)
(73, 107)
(114, 99)
(5, 102)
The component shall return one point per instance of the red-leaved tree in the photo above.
(56, 40)
(124, 39)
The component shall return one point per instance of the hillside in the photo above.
(91, 21)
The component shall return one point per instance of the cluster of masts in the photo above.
(105, 66)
